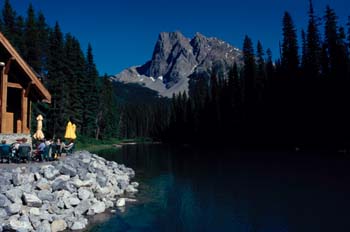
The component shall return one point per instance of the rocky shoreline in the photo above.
(61, 195)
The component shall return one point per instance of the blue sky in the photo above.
(123, 33)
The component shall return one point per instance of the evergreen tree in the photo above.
(43, 43)
(260, 61)
(214, 88)
(18, 36)
(303, 50)
(232, 109)
(269, 65)
(214, 106)
(290, 58)
(261, 70)
(107, 116)
(57, 83)
(313, 46)
(90, 101)
(9, 22)
(237, 87)
(234, 87)
(71, 92)
(249, 71)
(39, 33)
(78, 90)
(325, 69)
(342, 54)
(270, 80)
(331, 38)
(31, 40)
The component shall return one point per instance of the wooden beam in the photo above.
(28, 89)
(3, 100)
(8, 65)
(29, 115)
(24, 112)
(14, 85)
(19, 127)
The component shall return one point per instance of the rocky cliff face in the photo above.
(177, 59)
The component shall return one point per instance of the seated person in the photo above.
(41, 150)
(24, 150)
(48, 142)
(69, 147)
(57, 148)
(15, 146)
(5, 151)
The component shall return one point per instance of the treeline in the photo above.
(69, 74)
(143, 114)
(300, 100)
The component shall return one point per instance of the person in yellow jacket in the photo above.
(70, 130)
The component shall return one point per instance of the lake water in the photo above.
(187, 189)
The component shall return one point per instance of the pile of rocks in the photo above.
(61, 195)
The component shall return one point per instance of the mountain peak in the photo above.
(199, 35)
(173, 35)
(177, 59)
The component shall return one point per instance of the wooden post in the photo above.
(24, 111)
(29, 115)
(3, 99)
(19, 127)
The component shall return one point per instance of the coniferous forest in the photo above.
(298, 100)
(68, 73)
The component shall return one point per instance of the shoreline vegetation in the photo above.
(94, 146)
(97, 146)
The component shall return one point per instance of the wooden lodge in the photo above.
(19, 87)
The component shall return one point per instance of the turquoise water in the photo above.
(187, 189)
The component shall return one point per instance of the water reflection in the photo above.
(186, 189)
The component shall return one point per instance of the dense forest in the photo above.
(298, 100)
(69, 74)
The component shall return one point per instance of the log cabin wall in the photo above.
(14, 102)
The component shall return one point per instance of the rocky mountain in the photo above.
(176, 60)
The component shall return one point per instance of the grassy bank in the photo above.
(92, 145)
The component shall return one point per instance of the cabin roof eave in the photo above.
(26, 68)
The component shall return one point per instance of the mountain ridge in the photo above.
(176, 60)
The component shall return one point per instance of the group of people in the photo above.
(20, 150)
(52, 150)
(43, 150)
